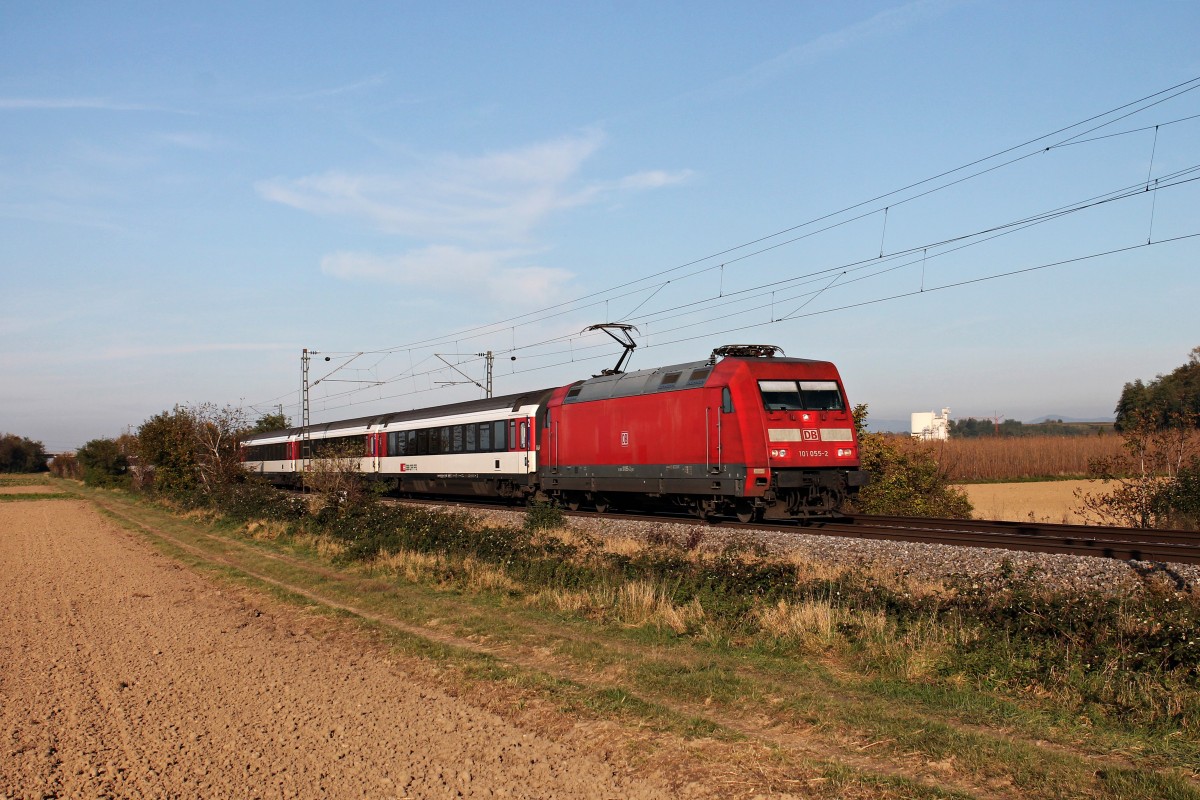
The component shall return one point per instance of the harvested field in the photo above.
(1045, 501)
(32, 489)
(1020, 457)
(123, 675)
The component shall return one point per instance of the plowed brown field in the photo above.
(124, 675)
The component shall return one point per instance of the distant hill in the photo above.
(902, 425)
(887, 425)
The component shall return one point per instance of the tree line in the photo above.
(1166, 401)
(20, 454)
(971, 428)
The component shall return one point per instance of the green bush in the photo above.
(904, 481)
(1179, 501)
(103, 463)
(21, 454)
(543, 516)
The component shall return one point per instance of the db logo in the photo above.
(624, 438)
(811, 436)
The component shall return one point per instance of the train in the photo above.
(747, 432)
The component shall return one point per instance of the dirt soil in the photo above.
(123, 674)
(1048, 501)
(31, 489)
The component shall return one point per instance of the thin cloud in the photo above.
(441, 269)
(369, 82)
(77, 104)
(497, 197)
(885, 23)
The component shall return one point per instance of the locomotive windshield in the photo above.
(801, 396)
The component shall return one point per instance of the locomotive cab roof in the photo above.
(673, 376)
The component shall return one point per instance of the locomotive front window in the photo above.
(821, 396)
(780, 395)
(801, 395)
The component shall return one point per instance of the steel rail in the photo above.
(1127, 544)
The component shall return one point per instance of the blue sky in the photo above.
(192, 193)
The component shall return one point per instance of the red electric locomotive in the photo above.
(746, 431)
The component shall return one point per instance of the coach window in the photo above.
(726, 401)
(499, 441)
(485, 437)
(456, 434)
(444, 439)
(524, 435)
(422, 443)
(469, 437)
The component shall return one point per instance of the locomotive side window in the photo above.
(726, 401)
(801, 395)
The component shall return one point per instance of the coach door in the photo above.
(519, 433)
(375, 445)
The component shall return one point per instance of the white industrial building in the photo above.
(930, 426)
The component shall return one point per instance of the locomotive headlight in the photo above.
(781, 453)
(845, 451)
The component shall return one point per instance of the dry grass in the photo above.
(811, 622)
(824, 626)
(1020, 458)
(884, 575)
(266, 531)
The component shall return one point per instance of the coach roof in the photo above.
(510, 402)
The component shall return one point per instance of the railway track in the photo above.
(1128, 544)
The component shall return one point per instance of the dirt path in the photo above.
(124, 675)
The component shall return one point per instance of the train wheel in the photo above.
(746, 513)
(572, 502)
(601, 505)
